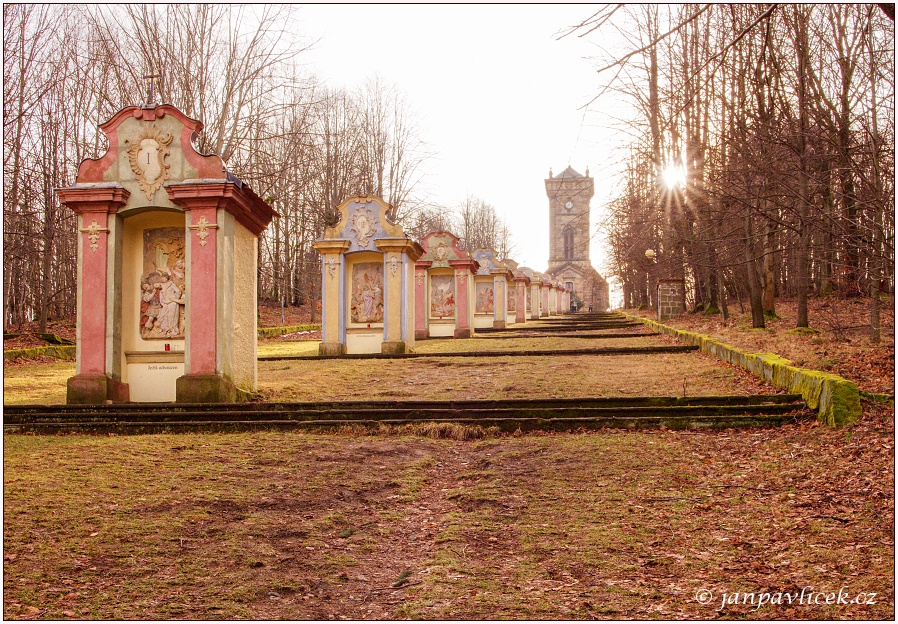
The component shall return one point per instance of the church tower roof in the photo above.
(569, 173)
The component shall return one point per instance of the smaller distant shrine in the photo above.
(491, 286)
(532, 293)
(517, 296)
(444, 288)
(166, 267)
(367, 272)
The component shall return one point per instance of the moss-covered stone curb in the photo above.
(878, 398)
(271, 332)
(835, 398)
(62, 352)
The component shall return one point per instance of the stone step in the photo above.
(537, 334)
(510, 424)
(558, 327)
(508, 415)
(482, 354)
(12, 411)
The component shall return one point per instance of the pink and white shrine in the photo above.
(491, 286)
(444, 288)
(166, 267)
(532, 294)
(517, 297)
(540, 295)
(367, 272)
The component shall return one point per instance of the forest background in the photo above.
(761, 163)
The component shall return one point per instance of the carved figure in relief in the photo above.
(512, 298)
(442, 296)
(484, 298)
(162, 285)
(170, 300)
(149, 306)
(367, 305)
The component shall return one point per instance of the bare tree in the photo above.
(782, 118)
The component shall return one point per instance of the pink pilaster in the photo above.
(462, 322)
(201, 202)
(203, 295)
(421, 300)
(94, 383)
(465, 269)
(93, 292)
(544, 298)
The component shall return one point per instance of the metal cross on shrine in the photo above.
(151, 79)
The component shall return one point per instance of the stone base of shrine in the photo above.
(439, 329)
(205, 389)
(393, 347)
(499, 324)
(462, 333)
(95, 390)
(482, 321)
(331, 348)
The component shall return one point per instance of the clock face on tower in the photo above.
(569, 204)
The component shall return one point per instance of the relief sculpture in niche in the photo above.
(442, 296)
(162, 288)
(367, 304)
(512, 299)
(484, 297)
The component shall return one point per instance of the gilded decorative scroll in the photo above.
(364, 224)
(147, 154)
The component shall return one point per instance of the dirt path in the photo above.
(295, 526)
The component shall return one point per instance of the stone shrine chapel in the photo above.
(569, 234)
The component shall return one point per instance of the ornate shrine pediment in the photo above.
(151, 149)
(362, 221)
(486, 258)
(441, 248)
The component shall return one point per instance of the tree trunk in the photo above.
(769, 297)
(752, 278)
(802, 260)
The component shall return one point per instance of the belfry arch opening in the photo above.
(568, 244)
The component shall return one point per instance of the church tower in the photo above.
(569, 234)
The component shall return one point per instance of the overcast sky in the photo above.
(499, 99)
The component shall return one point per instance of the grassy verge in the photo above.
(41, 383)
(299, 347)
